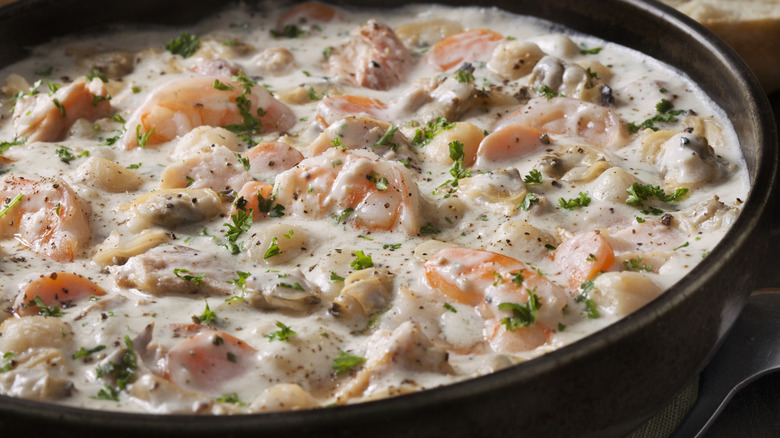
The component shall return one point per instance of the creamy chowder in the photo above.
(291, 208)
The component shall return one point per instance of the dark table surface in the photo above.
(755, 410)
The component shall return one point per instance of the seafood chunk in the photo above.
(570, 80)
(709, 215)
(512, 60)
(108, 175)
(48, 118)
(521, 240)
(374, 58)
(216, 168)
(501, 191)
(584, 255)
(173, 207)
(306, 13)
(114, 65)
(270, 158)
(214, 67)
(275, 61)
(687, 160)
(333, 108)
(207, 360)
(287, 290)
(581, 121)
(278, 243)
(161, 396)
(175, 270)
(49, 218)
(621, 293)
(365, 292)
(58, 289)
(283, 397)
(34, 332)
(426, 33)
(380, 193)
(114, 252)
(494, 284)
(431, 98)
(407, 348)
(467, 46)
(204, 139)
(175, 108)
(363, 133)
(37, 374)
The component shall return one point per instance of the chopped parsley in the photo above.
(289, 31)
(665, 115)
(387, 137)
(391, 246)
(380, 183)
(123, 371)
(638, 193)
(533, 177)
(429, 228)
(296, 286)
(583, 297)
(283, 334)
(424, 136)
(244, 161)
(8, 362)
(523, 315)
(241, 221)
(450, 307)
(44, 71)
(10, 205)
(185, 45)
(231, 398)
(591, 51)
(5, 145)
(682, 246)
(582, 201)
(529, 200)
(60, 106)
(83, 352)
(222, 86)
(336, 142)
(362, 261)
(636, 265)
(142, 139)
(548, 92)
(207, 317)
(457, 170)
(344, 215)
(187, 276)
(43, 309)
(335, 277)
(251, 124)
(345, 362)
(273, 249)
(517, 278)
(463, 76)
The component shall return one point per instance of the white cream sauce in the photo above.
(442, 346)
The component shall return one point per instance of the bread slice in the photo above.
(750, 27)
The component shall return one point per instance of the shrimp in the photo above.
(268, 159)
(207, 360)
(374, 58)
(60, 289)
(584, 121)
(508, 143)
(488, 281)
(249, 198)
(306, 13)
(216, 168)
(48, 118)
(175, 108)
(466, 46)
(363, 133)
(356, 184)
(583, 256)
(49, 218)
(333, 108)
